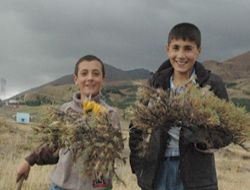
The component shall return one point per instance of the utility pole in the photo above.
(2, 88)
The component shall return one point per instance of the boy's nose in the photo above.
(181, 54)
(90, 77)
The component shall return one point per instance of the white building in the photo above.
(22, 117)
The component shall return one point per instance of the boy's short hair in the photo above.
(185, 31)
(89, 58)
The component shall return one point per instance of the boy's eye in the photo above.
(175, 47)
(96, 73)
(84, 73)
(188, 48)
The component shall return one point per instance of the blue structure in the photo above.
(22, 117)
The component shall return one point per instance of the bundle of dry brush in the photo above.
(95, 144)
(196, 108)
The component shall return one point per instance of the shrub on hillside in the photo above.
(36, 99)
(231, 84)
(242, 102)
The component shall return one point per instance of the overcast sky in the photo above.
(40, 40)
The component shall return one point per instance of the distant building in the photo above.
(13, 102)
(22, 117)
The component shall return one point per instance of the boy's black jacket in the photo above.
(197, 169)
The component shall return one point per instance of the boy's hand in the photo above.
(22, 170)
(196, 136)
(207, 138)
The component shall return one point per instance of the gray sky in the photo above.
(40, 40)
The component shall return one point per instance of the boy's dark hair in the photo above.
(89, 58)
(185, 31)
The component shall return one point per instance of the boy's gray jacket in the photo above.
(197, 169)
(66, 174)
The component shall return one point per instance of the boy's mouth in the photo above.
(181, 62)
(90, 86)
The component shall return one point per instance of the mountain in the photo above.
(112, 74)
(232, 69)
(236, 74)
(120, 89)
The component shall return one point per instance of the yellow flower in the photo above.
(91, 106)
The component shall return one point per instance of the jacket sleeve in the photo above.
(207, 140)
(216, 138)
(218, 87)
(43, 155)
(135, 137)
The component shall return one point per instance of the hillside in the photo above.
(121, 86)
(120, 94)
(219, 68)
(232, 69)
(112, 74)
(236, 74)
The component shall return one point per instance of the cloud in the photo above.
(41, 40)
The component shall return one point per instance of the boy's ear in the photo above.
(75, 78)
(103, 81)
(199, 52)
(167, 48)
(199, 49)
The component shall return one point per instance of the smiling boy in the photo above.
(179, 159)
(89, 76)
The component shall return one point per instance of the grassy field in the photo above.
(233, 163)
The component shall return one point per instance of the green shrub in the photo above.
(242, 102)
(126, 102)
(131, 87)
(33, 102)
(113, 90)
(231, 84)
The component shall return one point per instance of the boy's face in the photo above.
(89, 78)
(182, 55)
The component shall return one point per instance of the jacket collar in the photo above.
(167, 70)
(201, 73)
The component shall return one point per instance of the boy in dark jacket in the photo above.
(179, 159)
